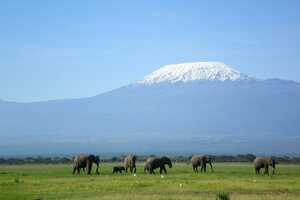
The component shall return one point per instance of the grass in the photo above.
(235, 179)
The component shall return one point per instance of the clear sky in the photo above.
(68, 49)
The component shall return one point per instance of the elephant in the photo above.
(129, 163)
(154, 162)
(146, 165)
(264, 162)
(201, 160)
(83, 161)
(119, 169)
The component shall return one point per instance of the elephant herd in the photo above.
(85, 162)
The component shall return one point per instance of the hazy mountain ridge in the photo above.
(200, 115)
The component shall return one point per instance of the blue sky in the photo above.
(68, 49)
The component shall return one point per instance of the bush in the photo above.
(223, 196)
(17, 180)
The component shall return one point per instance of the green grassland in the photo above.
(57, 182)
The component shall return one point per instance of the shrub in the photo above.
(223, 196)
(17, 180)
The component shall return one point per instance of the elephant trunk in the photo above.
(211, 167)
(97, 169)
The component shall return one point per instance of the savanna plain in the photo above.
(49, 182)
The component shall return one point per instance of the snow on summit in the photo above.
(213, 71)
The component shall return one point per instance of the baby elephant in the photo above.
(119, 169)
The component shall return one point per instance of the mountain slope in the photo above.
(241, 116)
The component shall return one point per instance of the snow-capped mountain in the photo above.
(212, 71)
(203, 107)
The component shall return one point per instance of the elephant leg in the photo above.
(152, 171)
(74, 170)
(165, 170)
(267, 170)
(162, 169)
(131, 169)
(89, 168)
(258, 171)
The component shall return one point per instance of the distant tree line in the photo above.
(141, 158)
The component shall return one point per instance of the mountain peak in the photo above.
(184, 72)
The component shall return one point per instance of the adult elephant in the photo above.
(201, 160)
(264, 162)
(129, 163)
(154, 162)
(85, 161)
